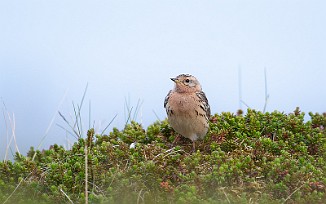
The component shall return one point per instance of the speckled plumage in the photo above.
(187, 108)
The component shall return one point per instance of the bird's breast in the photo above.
(182, 104)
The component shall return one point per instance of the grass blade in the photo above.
(109, 124)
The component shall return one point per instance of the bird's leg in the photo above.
(193, 146)
(176, 139)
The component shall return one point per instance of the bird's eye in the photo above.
(187, 80)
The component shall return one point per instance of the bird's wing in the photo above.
(204, 103)
(167, 98)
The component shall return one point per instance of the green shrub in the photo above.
(257, 157)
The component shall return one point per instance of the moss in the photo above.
(253, 157)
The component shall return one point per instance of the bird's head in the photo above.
(186, 83)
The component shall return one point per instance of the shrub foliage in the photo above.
(252, 158)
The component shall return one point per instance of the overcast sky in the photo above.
(127, 50)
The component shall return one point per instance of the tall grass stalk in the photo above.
(13, 131)
(51, 124)
(74, 134)
(240, 91)
(109, 124)
(240, 87)
(77, 119)
(11, 119)
(138, 107)
(129, 110)
(89, 114)
(77, 129)
(266, 91)
(12, 123)
(79, 123)
(158, 118)
(86, 173)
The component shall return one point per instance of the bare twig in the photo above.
(227, 197)
(66, 196)
(139, 196)
(169, 152)
(294, 192)
(21, 181)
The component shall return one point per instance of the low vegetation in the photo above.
(252, 158)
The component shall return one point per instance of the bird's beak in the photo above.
(175, 80)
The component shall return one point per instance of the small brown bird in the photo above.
(187, 108)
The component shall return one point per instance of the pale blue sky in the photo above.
(130, 49)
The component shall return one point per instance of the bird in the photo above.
(187, 108)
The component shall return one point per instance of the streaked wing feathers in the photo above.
(204, 103)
